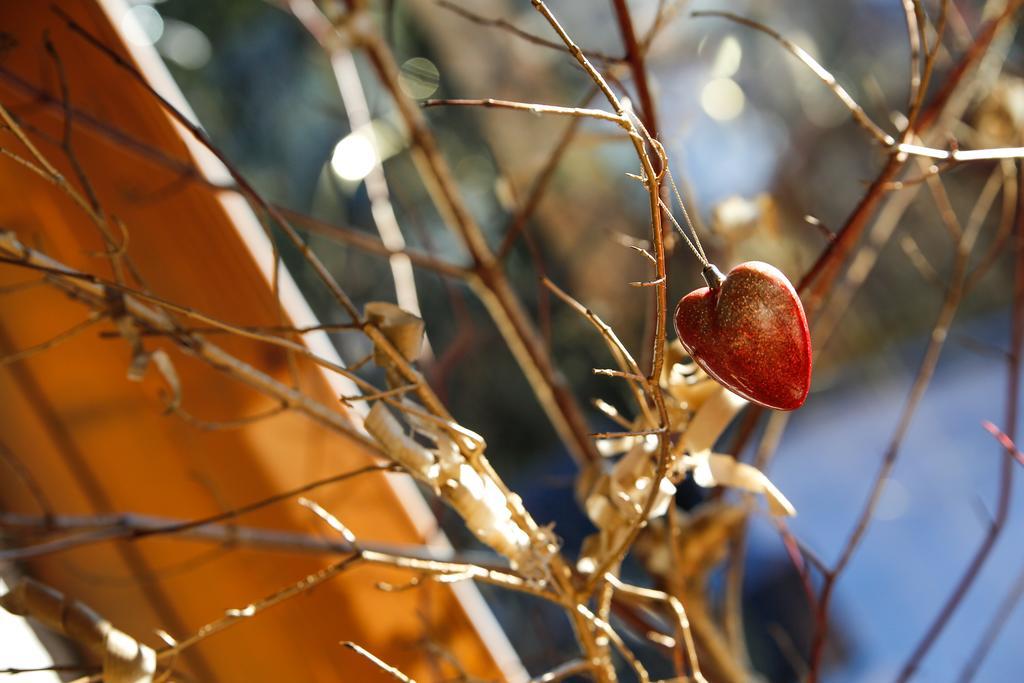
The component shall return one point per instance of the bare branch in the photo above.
(859, 115)
(490, 103)
(511, 28)
(378, 662)
(64, 336)
(117, 529)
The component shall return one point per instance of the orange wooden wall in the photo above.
(99, 443)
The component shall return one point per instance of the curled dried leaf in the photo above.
(715, 469)
(125, 660)
(463, 482)
(402, 448)
(403, 329)
(711, 419)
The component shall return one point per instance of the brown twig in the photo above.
(653, 189)
(357, 111)
(1003, 233)
(93, 291)
(226, 534)
(490, 103)
(628, 367)
(64, 336)
(121, 531)
(637, 59)
(114, 250)
(912, 10)
(366, 242)
(99, 285)
(1005, 488)
(218, 425)
(682, 623)
(511, 28)
(234, 616)
(991, 633)
(859, 115)
(346, 235)
(378, 662)
(564, 671)
(954, 294)
(733, 599)
(489, 281)
(526, 209)
(200, 136)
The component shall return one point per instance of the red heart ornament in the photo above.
(748, 331)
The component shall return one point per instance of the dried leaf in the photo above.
(403, 329)
(715, 469)
(166, 368)
(465, 485)
(125, 660)
(711, 419)
(401, 447)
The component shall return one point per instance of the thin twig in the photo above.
(508, 26)
(234, 616)
(564, 671)
(491, 103)
(103, 285)
(366, 242)
(653, 179)
(859, 115)
(921, 382)
(200, 136)
(627, 365)
(1005, 486)
(637, 59)
(227, 534)
(619, 435)
(991, 633)
(119, 531)
(517, 224)
(490, 281)
(911, 10)
(219, 425)
(93, 291)
(357, 111)
(682, 624)
(620, 645)
(64, 336)
(377, 661)
(346, 235)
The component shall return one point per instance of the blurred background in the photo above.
(759, 145)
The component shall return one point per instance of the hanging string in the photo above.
(686, 215)
(694, 244)
(697, 249)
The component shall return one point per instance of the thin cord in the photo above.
(694, 244)
(686, 214)
(699, 253)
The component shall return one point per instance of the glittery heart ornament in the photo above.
(748, 330)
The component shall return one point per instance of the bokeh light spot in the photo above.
(728, 58)
(354, 157)
(185, 45)
(419, 78)
(722, 99)
(142, 25)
